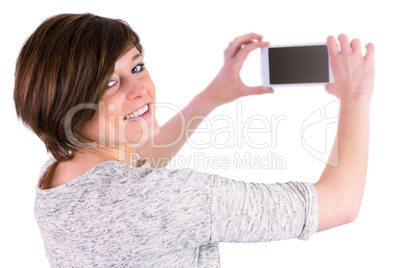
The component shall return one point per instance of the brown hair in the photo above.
(67, 61)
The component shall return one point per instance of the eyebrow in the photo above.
(136, 56)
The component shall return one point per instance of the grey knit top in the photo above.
(116, 215)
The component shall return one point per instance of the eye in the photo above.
(112, 83)
(138, 68)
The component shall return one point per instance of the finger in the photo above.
(245, 51)
(237, 43)
(356, 46)
(344, 42)
(245, 38)
(259, 90)
(370, 52)
(233, 50)
(332, 45)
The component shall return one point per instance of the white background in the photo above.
(184, 43)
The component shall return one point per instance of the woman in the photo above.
(81, 85)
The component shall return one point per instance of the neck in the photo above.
(123, 153)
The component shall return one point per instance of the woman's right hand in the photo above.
(227, 86)
(353, 72)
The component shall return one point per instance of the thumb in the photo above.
(259, 90)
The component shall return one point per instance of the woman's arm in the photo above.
(226, 87)
(340, 188)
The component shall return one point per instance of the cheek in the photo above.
(103, 124)
(151, 87)
(91, 128)
(151, 93)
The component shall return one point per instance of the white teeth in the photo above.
(136, 113)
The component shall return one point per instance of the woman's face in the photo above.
(126, 112)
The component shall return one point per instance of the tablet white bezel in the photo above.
(265, 67)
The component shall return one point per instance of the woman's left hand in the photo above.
(227, 85)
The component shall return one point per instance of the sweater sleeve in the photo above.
(257, 212)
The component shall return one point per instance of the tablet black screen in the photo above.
(301, 64)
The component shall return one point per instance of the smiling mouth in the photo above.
(137, 113)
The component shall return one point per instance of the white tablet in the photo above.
(287, 65)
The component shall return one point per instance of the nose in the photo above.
(135, 88)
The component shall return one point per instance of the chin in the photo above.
(143, 137)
